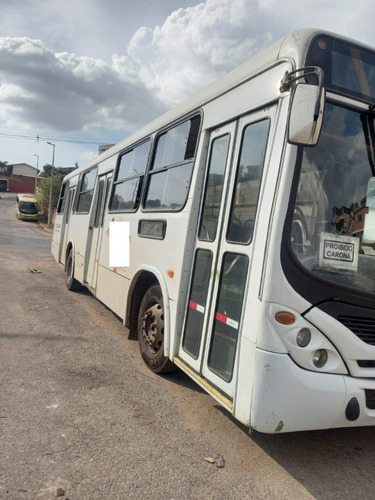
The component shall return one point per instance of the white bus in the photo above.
(247, 268)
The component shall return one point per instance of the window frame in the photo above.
(233, 206)
(62, 198)
(80, 192)
(165, 168)
(123, 180)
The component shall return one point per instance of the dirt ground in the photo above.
(81, 416)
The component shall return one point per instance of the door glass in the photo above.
(70, 203)
(214, 188)
(197, 303)
(248, 177)
(228, 314)
(99, 205)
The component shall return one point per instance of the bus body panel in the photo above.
(118, 285)
(255, 93)
(272, 385)
(79, 238)
(305, 400)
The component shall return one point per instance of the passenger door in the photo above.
(96, 230)
(223, 250)
(65, 223)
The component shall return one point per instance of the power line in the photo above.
(38, 138)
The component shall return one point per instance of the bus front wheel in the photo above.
(71, 283)
(151, 331)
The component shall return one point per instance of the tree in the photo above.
(42, 194)
(4, 168)
(46, 170)
(56, 170)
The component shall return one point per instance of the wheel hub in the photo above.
(153, 327)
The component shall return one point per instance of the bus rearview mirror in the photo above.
(306, 114)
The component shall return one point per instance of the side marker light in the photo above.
(285, 318)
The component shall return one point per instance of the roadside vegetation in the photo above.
(43, 191)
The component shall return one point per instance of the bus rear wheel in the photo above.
(71, 283)
(151, 331)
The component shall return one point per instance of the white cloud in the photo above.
(126, 63)
(67, 92)
(196, 45)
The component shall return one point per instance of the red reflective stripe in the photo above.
(221, 317)
(196, 307)
(192, 304)
(227, 321)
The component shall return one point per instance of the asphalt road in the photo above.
(81, 416)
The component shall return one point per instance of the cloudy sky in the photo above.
(81, 72)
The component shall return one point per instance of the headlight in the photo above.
(303, 337)
(306, 344)
(320, 358)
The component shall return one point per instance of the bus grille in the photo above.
(364, 328)
(370, 399)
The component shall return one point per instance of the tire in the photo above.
(71, 283)
(151, 331)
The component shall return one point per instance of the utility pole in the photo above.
(50, 187)
(36, 175)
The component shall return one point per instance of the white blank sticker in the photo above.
(119, 244)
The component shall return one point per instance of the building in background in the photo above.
(104, 147)
(18, 178)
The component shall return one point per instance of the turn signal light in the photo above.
(285, 318)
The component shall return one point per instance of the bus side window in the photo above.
(129, 178)
(61, 204)
(86, 191)
(169, 178)
(248, 179)
(214, 188)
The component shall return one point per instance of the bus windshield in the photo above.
(28, 207)
(333, 226)
(347, 69)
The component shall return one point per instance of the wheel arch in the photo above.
(141, 282)
(68, 247)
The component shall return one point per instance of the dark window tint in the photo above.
(61, 204)
(228, 315)
(197, 303)
(347, 69)
(28, 207)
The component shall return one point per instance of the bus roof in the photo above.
(26, 197)
(291, 47)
